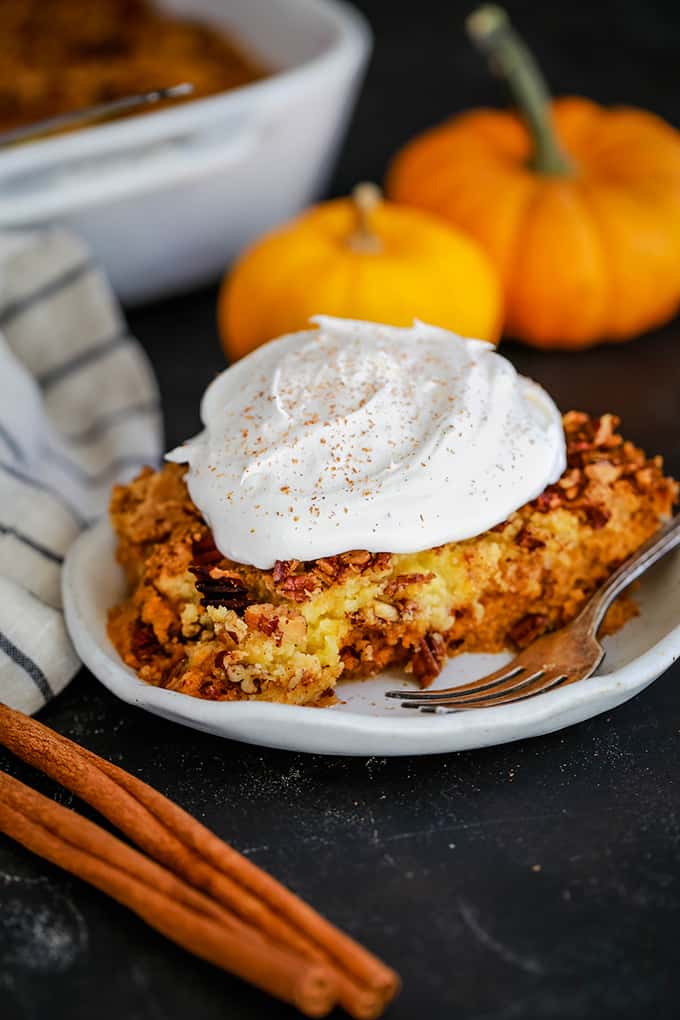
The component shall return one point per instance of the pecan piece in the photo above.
(210, 690)
(222, 591)
(276, 621)
(357, 558)
(528, 628)
(218, 662)
(205, 552)
(143, 642)
(401, 581)
(549, 500)
(571, 478)
(526, 540)
(298, 587)
(429, 658)
(172, 679)
(606, 427)
(218, 586)
(283, 569)
(261, 618)
(385, 611)
(328, 566)
(603, 471)
(596, 516)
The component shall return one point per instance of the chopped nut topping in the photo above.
(219, 586)
(606, 428)
(429, 659)
(549, 500)
(596, 516)
(603, 471)
(358, 558)
(283, 569)
(210, 690)
(144, 644)
(227, 625)
(298, 581)
(385, 611)
(327, 567)
(278, 622)
(570, 479)
(526, 540)
(173, 679)
(190, 619)
(298, 587)
(597, 457)
(402, 581)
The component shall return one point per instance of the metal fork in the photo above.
(554, 660)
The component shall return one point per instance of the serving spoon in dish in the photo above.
(563, 657)
(100, 111)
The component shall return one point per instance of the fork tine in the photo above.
(506, 672)
(518, 679)
(529, 688)
(486, 694)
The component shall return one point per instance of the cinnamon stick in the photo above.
(90, 838)
(67, 763)
(358, 961)
(73, 843)
(173, 837)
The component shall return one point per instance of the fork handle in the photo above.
(661, 542)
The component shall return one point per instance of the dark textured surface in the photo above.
(537, 881)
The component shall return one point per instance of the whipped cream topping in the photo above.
(361, 436)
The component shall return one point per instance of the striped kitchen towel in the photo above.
(79, 410)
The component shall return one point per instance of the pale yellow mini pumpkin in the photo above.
(361, 258)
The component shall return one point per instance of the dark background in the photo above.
(536, 881)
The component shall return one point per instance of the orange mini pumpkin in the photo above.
(577, 205)
(361, 258)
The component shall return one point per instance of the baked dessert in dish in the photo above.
(63, 55)
(214, 613)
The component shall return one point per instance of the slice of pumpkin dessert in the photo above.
(364, 496)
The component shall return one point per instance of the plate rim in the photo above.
(414, 733)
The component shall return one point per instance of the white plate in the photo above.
(365, 722)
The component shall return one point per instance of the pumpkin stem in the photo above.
(490, 29)
(366, 197)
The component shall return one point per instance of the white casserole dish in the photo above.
(167, 199)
